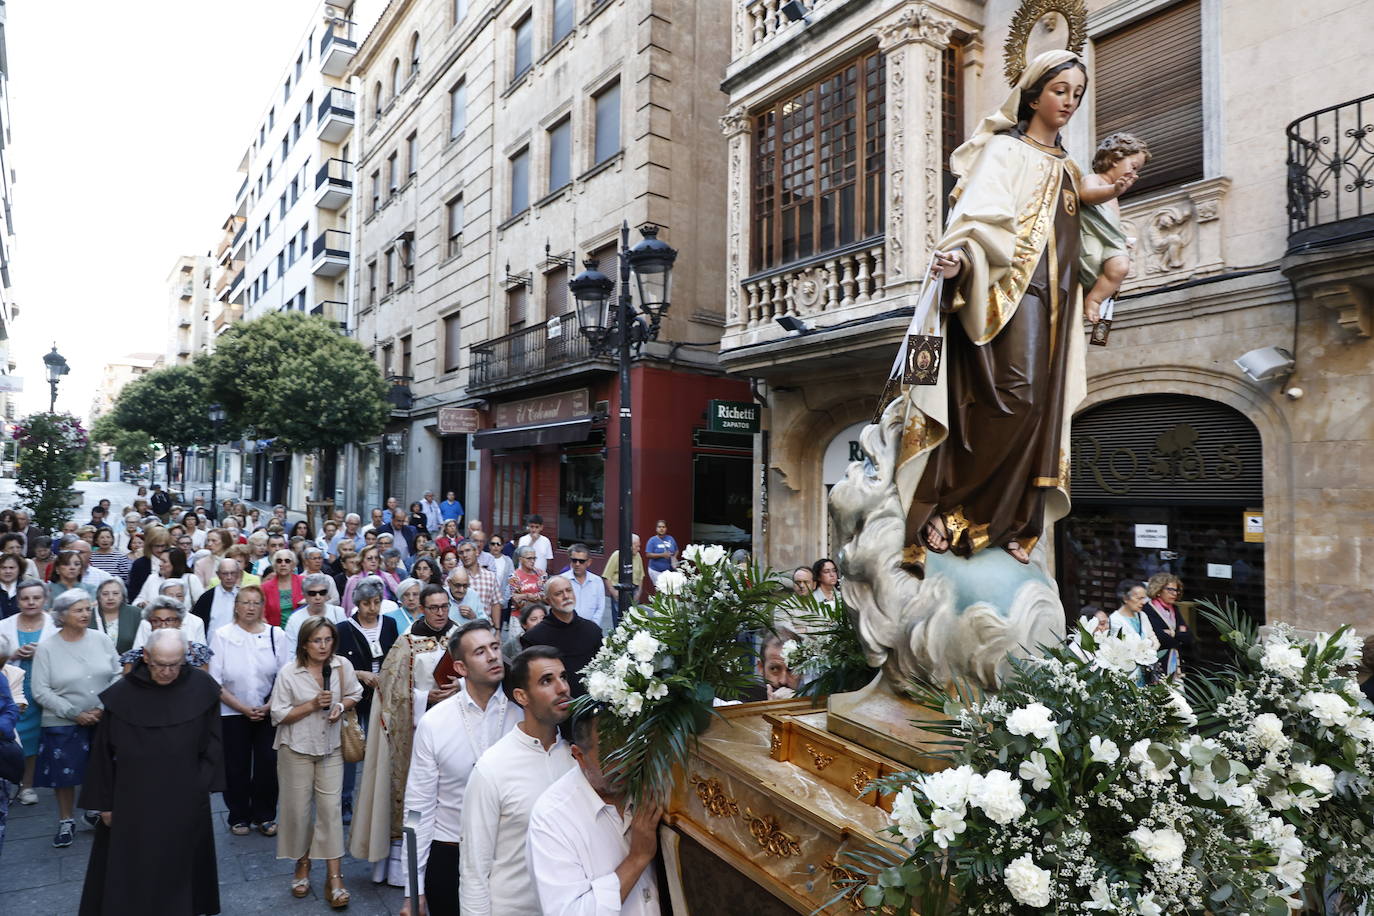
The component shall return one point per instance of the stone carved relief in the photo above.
(915, 23)
(806, 288)
(735, 121)
(933, 149)
(1170, 234)
(896, 151)
(1176, 234)
(736, 221)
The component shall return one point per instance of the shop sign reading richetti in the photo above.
(733, 417)
(550, 408)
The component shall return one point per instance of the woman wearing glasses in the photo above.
(248, 653)
(282, 587)
(1164, 590)
(164, 612)
(311, 694)
(315, 588)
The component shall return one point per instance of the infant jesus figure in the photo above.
(1105, 258)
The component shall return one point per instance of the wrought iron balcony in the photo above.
(1331, 174)
(334, 184)
(334, 120)
(551, 347)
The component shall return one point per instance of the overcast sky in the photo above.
(129, 120)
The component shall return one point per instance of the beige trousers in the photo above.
(305, 781)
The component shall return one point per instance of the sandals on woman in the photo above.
(300, 883)
(240, 830)
(336, 895)
(268, 828)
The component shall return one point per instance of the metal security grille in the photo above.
(1166, 449)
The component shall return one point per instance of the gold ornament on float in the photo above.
(1023, 24)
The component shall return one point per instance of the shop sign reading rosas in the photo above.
(733, 417)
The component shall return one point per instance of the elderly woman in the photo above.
(533, 616)
(70, 670)
(1164, 589)
(66, 575)
(310, 696)
(165, 612)
(449, 536)
(1130, 617)
(217, 541)
(156, 541)
(365, 639)
(171, 568)
(19, 639)
(258, 561)
(170, 598)
(105, 557)
(316, 591)
(114, 615)
(282, 588)
(247, 654)
(313, 561)
(527, 582)
(393, 570)
(369, 564)
(408, 604)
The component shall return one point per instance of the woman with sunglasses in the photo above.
(282, 587)
(1164, 590)
(315, 588)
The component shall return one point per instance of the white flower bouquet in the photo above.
(1074, 790)
(1290, 710)
(658, 673)
(828, 654)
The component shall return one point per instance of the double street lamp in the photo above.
(612, 324)
(56, 365)
(217, 416)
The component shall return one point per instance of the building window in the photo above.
(517, 300)
(271, 118)
(309, 103)
(405, 356)
(388, 366)
(556, 292)
(412, 155)
(377, 101)
(414, 54)
(286, 91)
(300, 60)
(524, 46)
(408, 259)
(376, 191)
(582, 506)
(1148, 80)
(457, 109)
(453, 346)
(291, 252)
(395, 76)
(607, 122)
(391, 176)
(460, 9)
(560, 154)
(520, 182)
(564, 18)
(818, 166)
(281, 264)
(390, 275)
(371, 282)
(455, 227)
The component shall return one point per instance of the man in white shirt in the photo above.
(589, 852)
(434, 516)
(215, 607)
(504, 785)
(543, 550)
(451, 736)
(588, 588)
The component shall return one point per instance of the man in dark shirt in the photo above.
(578, 638)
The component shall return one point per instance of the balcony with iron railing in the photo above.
(335, 116)
(1331, 175)
(329, 255)
(334, 184)
(337, 48)
(554, 348)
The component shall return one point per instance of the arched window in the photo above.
(377, 99)
(415, 54)
(395, 76)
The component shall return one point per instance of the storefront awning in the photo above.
(536, 434)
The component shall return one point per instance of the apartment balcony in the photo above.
(226, 315)
(329, 255)
(186, 290)
(555, 349)
(332, 309)
(1330, 257)
(334, 184)
(237, 288)
(183, 320)
(337, 48)
(335, 118)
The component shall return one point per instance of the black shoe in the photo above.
(66, 833)
(347, 813)
(91, 818)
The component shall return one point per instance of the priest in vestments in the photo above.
(984, 460)
(155, 759)
(406, 688)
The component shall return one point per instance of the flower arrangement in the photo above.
(826, 648)
(1290, 710)
(659, 672)
(1073, 790)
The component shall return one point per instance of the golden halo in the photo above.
(1031, 12)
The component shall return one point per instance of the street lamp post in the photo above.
(56, 365)
(217, 416)
(612, 324)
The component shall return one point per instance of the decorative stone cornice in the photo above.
(916, 22)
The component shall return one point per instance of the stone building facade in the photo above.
(1247, 238)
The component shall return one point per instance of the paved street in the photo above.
(37, 879)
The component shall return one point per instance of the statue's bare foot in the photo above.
(936, 538)
(1017, 552)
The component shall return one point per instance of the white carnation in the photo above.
(999, 795)
(1035, 720)
(1164, 845)
(1123, 652)
(703, 555)
(950, 788)
(1029, 883)
(1283, 658)
(1034, 771)
(1267, 730)
(1319, 776)
(906, 815)
(646, 669)
(789, 652)
(1361, 728)
(643, 646)
(633, 703)
(1103, 750)
(671, 582)
(1329, 709)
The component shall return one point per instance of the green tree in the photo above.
(132, 447)
(52, 451)
(294, 377)
(169, 405)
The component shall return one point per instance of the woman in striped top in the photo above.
(105, 557)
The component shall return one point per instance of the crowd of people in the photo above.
(336, 686)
